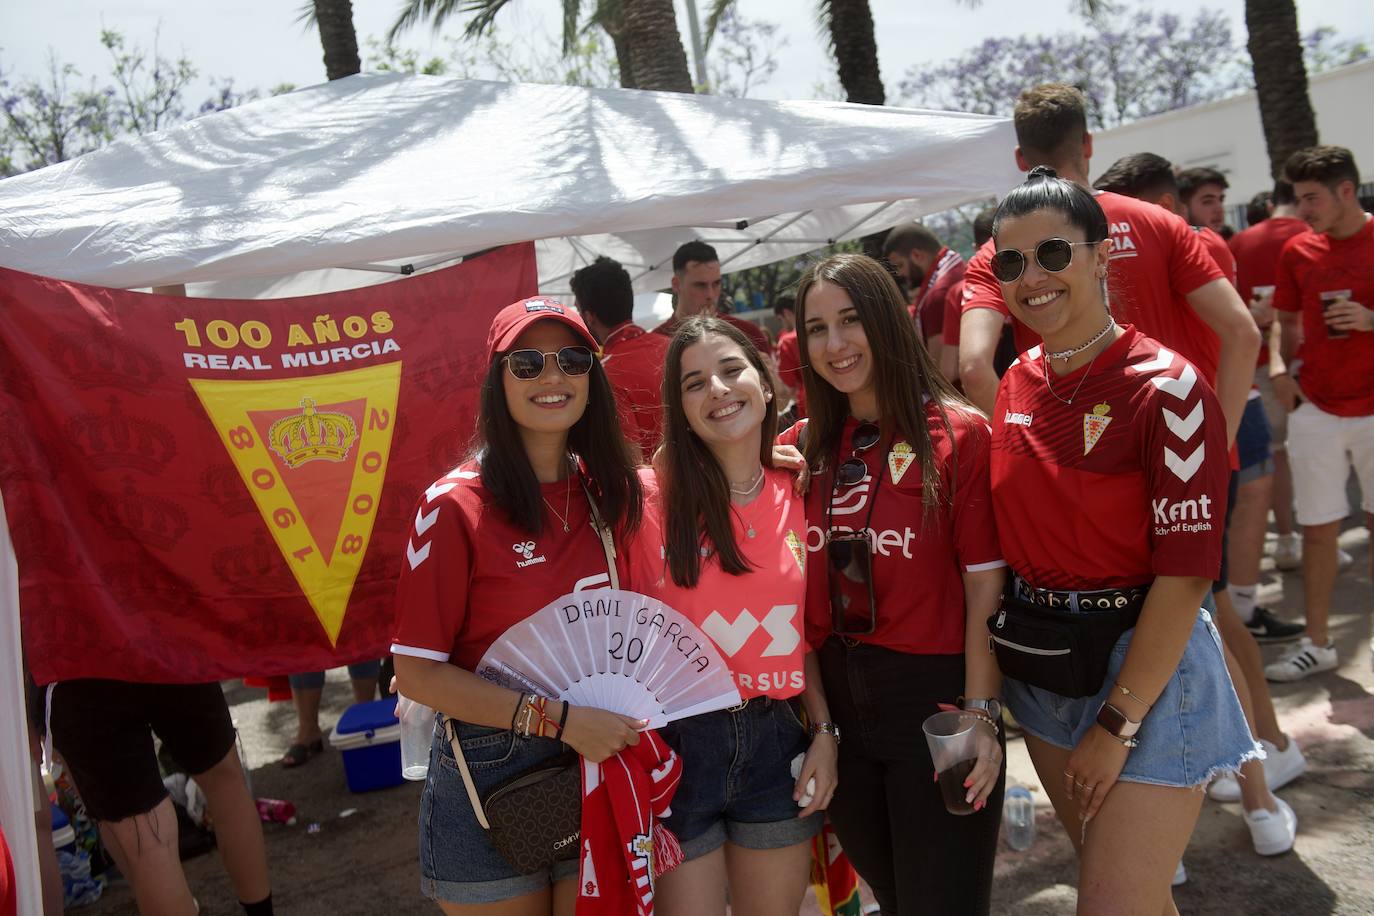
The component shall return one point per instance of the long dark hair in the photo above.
(697, 493)
(610, 461)
(903, 371)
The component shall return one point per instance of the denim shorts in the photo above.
(1254, 442)
(737, 779)
(314, 680)
(458, 864)
(1195, 730)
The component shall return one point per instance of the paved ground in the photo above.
(366, 863)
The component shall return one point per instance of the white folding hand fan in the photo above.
(615, 650)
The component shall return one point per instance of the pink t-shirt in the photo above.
(755, 619)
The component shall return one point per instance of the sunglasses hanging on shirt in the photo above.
(853, 602)
(1053, 255)
(528, 365)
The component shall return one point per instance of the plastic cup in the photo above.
(417, 731)
(954, 751)
(1329, 298)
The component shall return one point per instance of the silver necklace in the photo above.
(752, 487)
(1069, 354)
(567, 497)
(1086, 372)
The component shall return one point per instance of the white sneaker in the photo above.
(1288, 552)
(1343, 559)
(1300, 660)
(1272, 832)
(1180, 875)
(1280, 768)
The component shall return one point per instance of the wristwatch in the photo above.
(826, 728)
(992, 706)
(1115, 723)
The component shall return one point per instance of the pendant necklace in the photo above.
(567, 496)
(746, 492)
(1046, 366)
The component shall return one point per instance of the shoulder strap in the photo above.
(607, 541)
(467, 776)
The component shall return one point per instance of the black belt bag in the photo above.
(1063, 651)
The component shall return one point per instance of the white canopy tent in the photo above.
(365, 179)
(370, 178)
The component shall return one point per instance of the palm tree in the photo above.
(850, 25)
(335, 21)
(1280, 79)
(648, 46)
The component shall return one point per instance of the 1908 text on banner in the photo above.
(202, 488)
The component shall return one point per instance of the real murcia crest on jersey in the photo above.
(1094, 425)
(899, 459)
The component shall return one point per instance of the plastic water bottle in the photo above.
(1018, 818)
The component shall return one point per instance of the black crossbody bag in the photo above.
(1063, 651)
(534, 819)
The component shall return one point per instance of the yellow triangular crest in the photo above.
(313, 453)
(798, 549)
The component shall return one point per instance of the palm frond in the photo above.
(718, 10)
(438, 11)
(306, 15)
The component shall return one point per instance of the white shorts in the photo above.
(1322, 448)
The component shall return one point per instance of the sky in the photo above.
(258, 44)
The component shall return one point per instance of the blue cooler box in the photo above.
(369, 736)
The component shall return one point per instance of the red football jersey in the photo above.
(1156, 261)
(750, 330)
(1337, 374)
(1221, 253)
(954, 311)
(1126, 483)
(918, 566)
(790, 367)
(1256, 251)
(470, 573)
(930, 307)
(634, 359)
(755, 619)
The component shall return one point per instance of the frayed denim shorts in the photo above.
(737, 780)
(1196, 729)
(458, 864)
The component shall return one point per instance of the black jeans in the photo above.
(888, 812)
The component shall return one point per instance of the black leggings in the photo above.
(888, 812)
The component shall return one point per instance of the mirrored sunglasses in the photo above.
(529, 364)
(1053, 255)
(852, 469)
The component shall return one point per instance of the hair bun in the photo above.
(1041, 171)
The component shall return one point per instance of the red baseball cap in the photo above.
(517, 316)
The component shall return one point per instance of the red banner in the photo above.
(207, 488)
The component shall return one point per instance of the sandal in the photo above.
(298, 754)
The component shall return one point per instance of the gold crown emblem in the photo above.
(1102, 409)
(312, 435)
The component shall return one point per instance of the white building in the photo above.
(1227, 135)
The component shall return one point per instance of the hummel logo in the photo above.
(1020, 419)
(526, 549)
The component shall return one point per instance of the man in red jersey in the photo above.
(1162, 281)
(632, 357)
(789, 359)
(696, 291)
(1326, 280)
(913, 250)
(1257, 257)
(954, 308)
(1149, 177)
(1202, 191)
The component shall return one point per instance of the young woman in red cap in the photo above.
(723, 543)
(494, 540)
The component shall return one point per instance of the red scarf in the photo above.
(624, 847)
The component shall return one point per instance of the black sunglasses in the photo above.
(1052, 254)
(853, 469)
(853, 606)
(529, 364)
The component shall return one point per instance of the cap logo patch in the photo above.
(543, 305)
